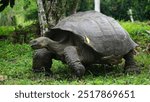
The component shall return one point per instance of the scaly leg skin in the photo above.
(130, 64)
(72, 59)
(42, 61)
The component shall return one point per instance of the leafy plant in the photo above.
(22, 11)
(6, 30)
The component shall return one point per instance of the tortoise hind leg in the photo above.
(72, 59)
(130, 64)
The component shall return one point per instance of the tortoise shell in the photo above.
(102, 33)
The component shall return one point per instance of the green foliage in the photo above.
(6, 30)
(116, 8)
(20, 34)
(138, 32)
(86, 5)
(31, 10)
(26, 10)
(119, 8)
(7, 17)
(141, 9)
(22, 11)
(23, 34)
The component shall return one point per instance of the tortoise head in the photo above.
(42, 42)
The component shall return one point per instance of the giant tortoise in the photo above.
(83, 39)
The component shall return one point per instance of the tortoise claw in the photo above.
(37, 70)
(80, 71)
(132, 69)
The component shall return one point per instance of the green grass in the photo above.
(16, 63)
(138, 32)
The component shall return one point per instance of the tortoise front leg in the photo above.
(72, 59)
(130, 64)
(42, 61)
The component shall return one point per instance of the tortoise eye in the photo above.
(34, 41)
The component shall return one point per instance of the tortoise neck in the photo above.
(55, 47)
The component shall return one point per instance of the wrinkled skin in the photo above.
(76, 55)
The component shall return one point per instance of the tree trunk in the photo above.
(74, 6)
(51, 11)
(97, 5)
(131, 15)
(42, 18)
(55, 10)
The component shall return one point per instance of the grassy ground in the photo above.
(16, 62)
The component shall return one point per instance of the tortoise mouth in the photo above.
(37, 46)
(34, 46)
